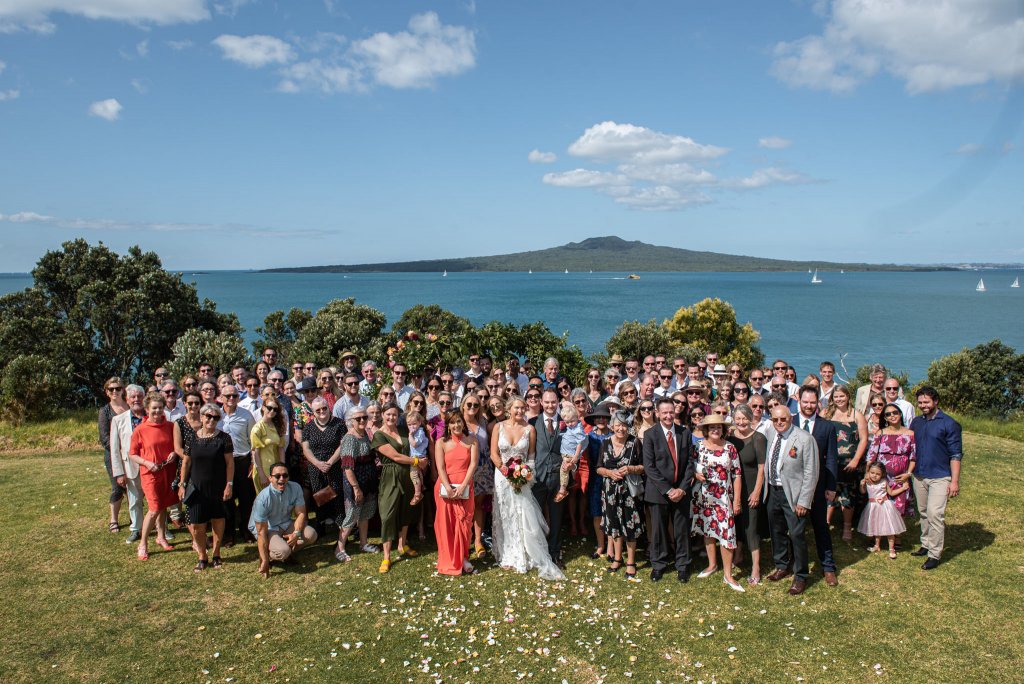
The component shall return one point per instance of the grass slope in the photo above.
(79, 607)
(599, 254)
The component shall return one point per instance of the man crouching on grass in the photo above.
(277, 535)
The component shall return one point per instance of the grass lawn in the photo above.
(79, 607)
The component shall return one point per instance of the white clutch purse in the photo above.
(463, 495)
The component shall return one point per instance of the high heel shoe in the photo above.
(615, 561)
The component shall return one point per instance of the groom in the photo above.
(548, 462)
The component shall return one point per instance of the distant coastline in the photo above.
(605, 254)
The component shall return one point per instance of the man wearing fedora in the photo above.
(791, 476)
(669, 468)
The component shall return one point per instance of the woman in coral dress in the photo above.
(456, 455)
(152, 448)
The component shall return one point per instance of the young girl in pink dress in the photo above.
(880, 517)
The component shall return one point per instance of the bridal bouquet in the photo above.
(518, 473)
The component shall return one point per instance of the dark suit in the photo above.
(545, 483)
(662, 474)
(824, 433)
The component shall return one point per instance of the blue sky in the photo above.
(251, 134)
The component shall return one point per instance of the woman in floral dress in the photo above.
(718, 497)
(851, 441)
(622, 513)
(893, 446)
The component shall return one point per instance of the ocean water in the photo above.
(904, 320)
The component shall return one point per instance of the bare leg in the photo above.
(847, 523)
(364, 529)
(386, 548)
(115, 511)
(599, 534)
(161, 526)
(343, 537)
(199, 539)
(630, 552)
(147, 525)
(478, 522)
(218, 535)
(755, 564)
(727, 564)
(709, 547)
(892, 546)
(403, 536)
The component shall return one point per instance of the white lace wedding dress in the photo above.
(520, 533)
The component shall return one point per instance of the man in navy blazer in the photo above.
(546, 466)
(824, 433)
(669, 472)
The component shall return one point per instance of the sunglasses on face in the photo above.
(322, 409)
(470, 404)
(448, 403)
(646, 409)
(877, 405)
(359, 419)
(114, 389)
(210, 416)
(890, 414)
(678, 401)
(193, 403)
(268, 409)
(230, 396)
(697, 414)
(740, 390)
(533, 386)
(352, 384)
(433, 387)
(170, 391)
(280, 476)
(533, 396)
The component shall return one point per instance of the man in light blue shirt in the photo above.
(238, 423)
(277, 535)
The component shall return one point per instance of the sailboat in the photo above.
(445, 274)
(531, 271)
(841, 271)
(981, 285)
(1016, 282)
(566, 270)
(815, 280)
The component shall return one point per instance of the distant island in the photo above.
(604, 254)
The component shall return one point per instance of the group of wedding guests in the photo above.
(497, 461)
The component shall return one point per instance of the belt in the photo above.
(775, 486)
(245, 455)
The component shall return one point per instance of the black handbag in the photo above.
(191, 494)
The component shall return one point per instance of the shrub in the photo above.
(987, 380)
(222, 350)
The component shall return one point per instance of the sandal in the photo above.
(385, 566)
(613, 562)
(561, 495)
(143, 554)
(597, 555)
(408, 551)
(162, 543)
(631, 576)
(481, 552)
(201, 565)
(114, 527)
(415, 499)
(217, 564)
(753, 581)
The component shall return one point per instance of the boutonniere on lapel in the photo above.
(792, 452)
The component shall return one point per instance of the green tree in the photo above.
(221, 350)
(279, 331)
(430, 318)
(985, 380)
(634, 339)
(710, 325)
(339, 326)
(96, 314)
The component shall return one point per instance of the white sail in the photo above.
(445, 274)
(566, 270)
(981, 285)
(531, 271)
(815, 279)
(1016, 282)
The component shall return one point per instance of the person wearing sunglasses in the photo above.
(593, 387)
(321, 448)
(513, 373)
(895, 447)
(351, 397)
(238, 423)
(791, 476)
(279, 520)
(644, 419)
(207, 469)
(360, 483)
(185, 427)
(268, 441)
(152, 449)
(172, 407)
(115, 406)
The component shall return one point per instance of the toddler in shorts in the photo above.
(419, 444)
(573, 440)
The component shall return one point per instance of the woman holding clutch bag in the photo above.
(457, 455)
(207, 469)
(321, 446)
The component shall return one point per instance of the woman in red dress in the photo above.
(152, 447)
(456, 455)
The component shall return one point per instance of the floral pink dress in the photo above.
(895, 452)
(712, 503)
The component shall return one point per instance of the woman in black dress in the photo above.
(622, 519)
(207, 469)
(751, 523)
(321, 446)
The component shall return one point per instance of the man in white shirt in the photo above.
(402, 391)
(512, 372)
(664, 388)
(632, 368)
(173, 409)
(827, 371)
(876, 386)
(238, 424)
(369, 381)
(892, 388)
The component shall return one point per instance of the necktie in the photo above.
(671, 439)
(773, 465)
(551, 426)
(807, 424)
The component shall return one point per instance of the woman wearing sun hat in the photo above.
(717, 496)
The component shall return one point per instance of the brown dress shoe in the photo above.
(831, 579)
(797, 587)
(778, 575)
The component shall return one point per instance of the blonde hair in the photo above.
(569, 413)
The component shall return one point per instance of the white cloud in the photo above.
(142, 48)
(929, 45)
(968, 149)
(584, 178)
(656, 171)
(6, 95)
(612, 141)
(113, 225)
(230, 7)
(538, 157)
(109, 109)
(140, 86)
(179, 45)
(332, 64)
(255, 51)
(34, 15)
(417, 57)
(774, 142)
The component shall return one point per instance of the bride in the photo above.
(520, 533)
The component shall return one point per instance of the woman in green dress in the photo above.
(391, 444)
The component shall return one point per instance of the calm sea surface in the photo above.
(904, 320)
